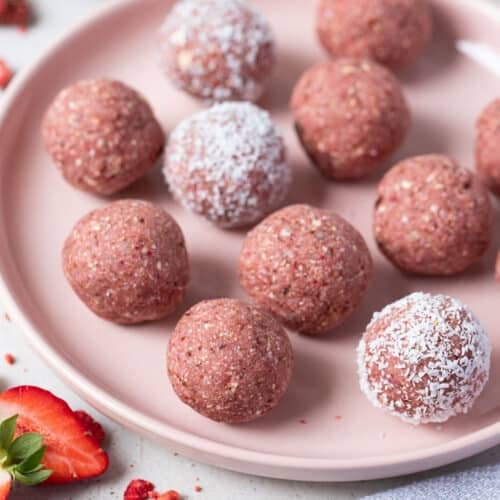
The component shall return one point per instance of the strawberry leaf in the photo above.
(24, 446)
(7, 431)
(33, 462)
(32, 478)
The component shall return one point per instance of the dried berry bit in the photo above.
(5, 74)
(169, 495)
(9, 358)
(92, 427)
(14, 12)
(6, 317)
(338, 417)
(302, 421)
(198, 488)
(139, 489)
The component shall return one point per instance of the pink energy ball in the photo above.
(424, 358)
(307, 266)
(350, 116)
(217, 50)
(102, 135)
(230, 361)
(127, 262)
(488, 146)
(432, 216)
(227, 164)
(391, 32)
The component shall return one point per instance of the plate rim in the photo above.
(203, 449)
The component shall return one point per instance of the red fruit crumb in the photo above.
(169, 495)
(338, 417)
(92, 428)
(302, 421)
(139, 489)
(10, 358)
(5, 74)
(6, 317)
(15, 12)
(198, 489)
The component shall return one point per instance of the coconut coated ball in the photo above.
(392, 32)
(309, 267)
(424, 358)
(488, 146)
(230, 361)
(127, 262)
(227, 164)
(432, 216)
(217, 50)
(102, 135)
(350, 116)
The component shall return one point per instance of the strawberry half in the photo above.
(70, 452)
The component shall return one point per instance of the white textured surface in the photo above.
(126, 448)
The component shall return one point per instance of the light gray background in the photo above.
(132, 456)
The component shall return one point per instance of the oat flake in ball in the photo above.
(350, 116)
(102, 135)
(227, 164)
(230, 361)
(307, 266)
(488, 146)
(424, 358)
(432, 216)
(217, 50)
(391, 32)
(127, 262)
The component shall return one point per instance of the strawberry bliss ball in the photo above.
(227, 164)
(391, 32)
(350, 116)
(102, 135)
(230, 361)
(217, 50)
(127, 262)
(424, 358)
(432, 216)
(488, 146)
(308, 267)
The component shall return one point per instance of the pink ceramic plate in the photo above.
(121, 370)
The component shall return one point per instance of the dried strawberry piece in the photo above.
(14, 12)
(92, 427)
(5, 74)
(139, 489)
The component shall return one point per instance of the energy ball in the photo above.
(488, 146)
(424, 358)
(432, 216)
(217, 50)
(127, 262)
(102, 135)
(227, 164)
(392, 32)
(309, 267)
(350, 116)
(230, 361)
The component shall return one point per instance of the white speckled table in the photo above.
(131, 455)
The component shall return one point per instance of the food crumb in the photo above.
(198, 488)
(9, 358)
(5, 74)
(6, 317)
(302, 421)
(338, 417)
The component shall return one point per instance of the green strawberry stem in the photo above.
(22, 457)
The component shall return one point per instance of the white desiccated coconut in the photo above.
(201, 40)
(425, 358)
(227, 163)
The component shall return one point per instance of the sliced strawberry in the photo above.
(70, 452)
(93, 428)
(139, 489)
(5, 484)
